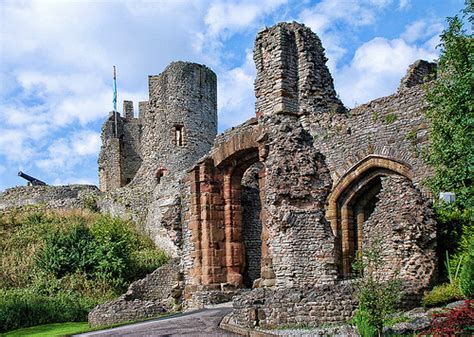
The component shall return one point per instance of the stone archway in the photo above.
(352, 201)
(216, 221)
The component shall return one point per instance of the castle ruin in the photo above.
(281, 204)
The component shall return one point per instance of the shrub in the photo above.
(363, 324)
(377, 297)
(442, 294)
(146, 260)
(67, 252)
(454, 322)
(466, 277)
(23, 308)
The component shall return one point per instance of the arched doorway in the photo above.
(242, 235)
(352, 201)
(252, 224)
(224, 248)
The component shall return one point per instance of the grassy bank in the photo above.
(57, 265)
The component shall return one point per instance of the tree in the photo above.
(451, 150)
(451, 106)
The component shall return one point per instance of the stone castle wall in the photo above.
(176, 126)
(286, 200)
(68, 196)
(311, 306)
(403, 222)
(152, 153)
(149, 297)
(394, 127)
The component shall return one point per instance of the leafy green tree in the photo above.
(451, 106)
(451, 151)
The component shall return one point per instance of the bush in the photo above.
(68, 251)
(377, 297)
(442, 294)
(109, 251)
(466, 277)
(454, 322)
(58, 265)
(363, 324)
(23, 308)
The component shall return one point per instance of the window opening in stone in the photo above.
(178, 133)
(160, 174)
(251, 225)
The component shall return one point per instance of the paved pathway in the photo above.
(198, 323)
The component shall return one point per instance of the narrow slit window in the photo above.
(178, 134)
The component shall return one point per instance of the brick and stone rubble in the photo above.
(149, 297)
(403, 222)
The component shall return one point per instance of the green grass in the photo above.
(51, 330)
(70, 328)
(56, 265)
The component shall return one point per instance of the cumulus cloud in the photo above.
(421, 30)
(64, 153)
(224, 16)
(376, 69)
(404, 4)
(237, 99)
(334, 20)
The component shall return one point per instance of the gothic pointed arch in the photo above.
(352, 201)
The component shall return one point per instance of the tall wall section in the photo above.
(120, 155)
(180, 121)
(292, 76)
(297, 109)
(143, 166)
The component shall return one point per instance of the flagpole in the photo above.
(115, 103)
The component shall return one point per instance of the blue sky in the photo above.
(56, 61)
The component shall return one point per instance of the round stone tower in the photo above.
(180, 119)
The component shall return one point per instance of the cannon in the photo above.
(31, 180)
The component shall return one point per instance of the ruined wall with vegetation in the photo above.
(68, 196)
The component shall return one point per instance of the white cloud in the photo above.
(86, 143)
(404, 4)
(236, 102)
(376, 69)
(14, 145)
(64, 153)
(328, 16)
(422, 29)
(228, 17)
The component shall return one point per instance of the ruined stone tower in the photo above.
(175, 127)
(292, 77)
